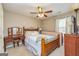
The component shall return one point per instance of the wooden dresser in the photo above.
(71, 45)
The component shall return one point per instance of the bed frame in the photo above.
(46, 48)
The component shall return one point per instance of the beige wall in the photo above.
(17, 20)
(49, 24)
(1, 22)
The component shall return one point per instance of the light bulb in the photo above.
(40, 15)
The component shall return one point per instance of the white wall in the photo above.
(16, 20)
(1, 39)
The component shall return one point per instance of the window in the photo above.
(61, 25)
(64, 25)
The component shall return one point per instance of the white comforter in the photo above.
(33, 42)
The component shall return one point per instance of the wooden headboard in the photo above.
(29, 29)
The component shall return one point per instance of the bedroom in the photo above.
(18, 15)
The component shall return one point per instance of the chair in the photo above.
(21, 36)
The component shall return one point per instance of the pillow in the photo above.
(31, 33)
(50, 33)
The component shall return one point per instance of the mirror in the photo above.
(14, 31)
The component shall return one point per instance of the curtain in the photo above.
(66, 25)
(61, 25)
(69, 25)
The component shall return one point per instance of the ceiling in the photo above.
(26, 8)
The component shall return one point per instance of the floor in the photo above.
(58, 52)
(22, 51)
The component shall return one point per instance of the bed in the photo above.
(40, 44)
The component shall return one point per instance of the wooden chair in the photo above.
(20, 35)
(15, 36)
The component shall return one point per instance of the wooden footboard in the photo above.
(46, 49)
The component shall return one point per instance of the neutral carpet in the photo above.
(23, 51)
(58, 52)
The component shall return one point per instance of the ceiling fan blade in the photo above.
(45, 15)
(40, 9)
(48, 11)
(34, 12)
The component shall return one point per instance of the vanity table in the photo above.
(15, 36)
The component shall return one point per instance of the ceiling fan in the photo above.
(41, 12)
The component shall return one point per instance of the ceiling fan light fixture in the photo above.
(40, 15)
